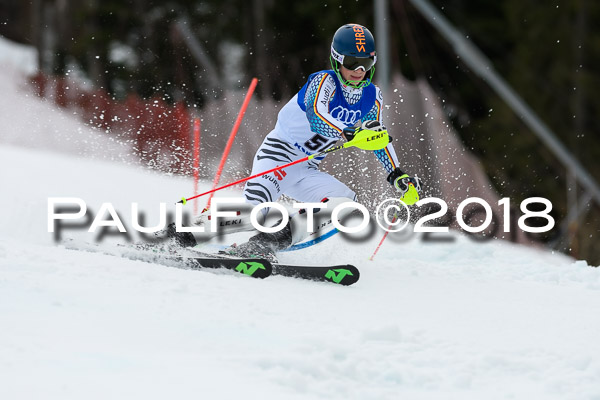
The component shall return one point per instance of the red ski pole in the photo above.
(184, 200)
(365, 140)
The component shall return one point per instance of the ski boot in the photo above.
(263, 245)
(168, 241)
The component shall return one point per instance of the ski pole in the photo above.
(364, 140)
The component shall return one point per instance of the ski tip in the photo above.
(345, 275)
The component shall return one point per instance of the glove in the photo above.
(409, 188)
(374, 126)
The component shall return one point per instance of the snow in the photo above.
(453, 320)
(18, 56)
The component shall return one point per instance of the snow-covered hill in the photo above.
(455, 320)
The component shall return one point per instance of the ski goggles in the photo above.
(353, 63)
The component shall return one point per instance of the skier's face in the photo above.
(356, 75)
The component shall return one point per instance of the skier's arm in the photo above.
(318, 94)
(408, 187)
(386, 156)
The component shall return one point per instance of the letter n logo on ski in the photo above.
(336, 275)
(249, 268)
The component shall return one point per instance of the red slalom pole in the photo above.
(236, 126)
(196, 165)
(383, 238)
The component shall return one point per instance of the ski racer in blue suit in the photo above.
(331, 106)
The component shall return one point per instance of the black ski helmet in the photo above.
(353, 46)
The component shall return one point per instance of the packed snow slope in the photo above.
(451, 320)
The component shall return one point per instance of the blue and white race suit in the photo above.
(310, 122)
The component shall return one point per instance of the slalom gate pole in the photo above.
(365, 140)
(229, 144)
(196, 163)
(384, 236)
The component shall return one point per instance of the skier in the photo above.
(332, 105)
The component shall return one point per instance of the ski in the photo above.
(345, 275)
(254, 267)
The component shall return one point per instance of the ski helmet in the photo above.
(353, 47)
